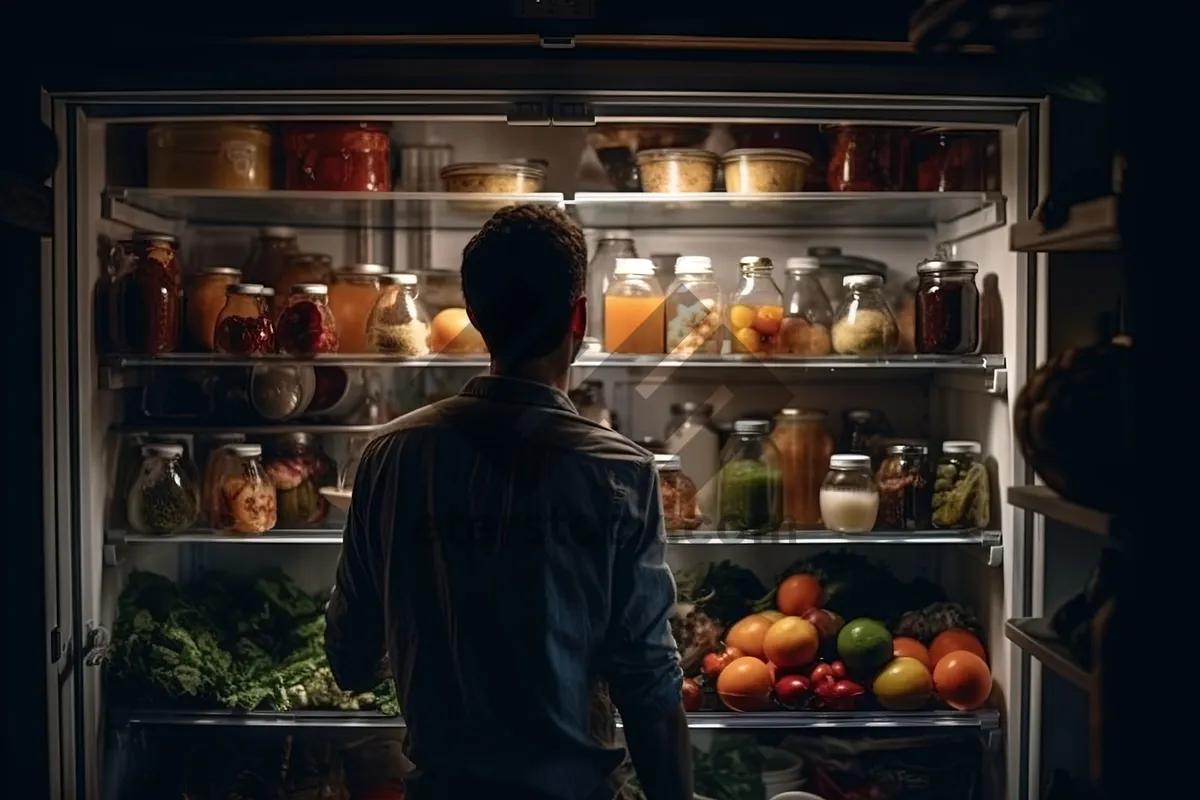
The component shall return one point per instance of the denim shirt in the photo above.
(504, 556)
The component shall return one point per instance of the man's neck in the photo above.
(537, 372)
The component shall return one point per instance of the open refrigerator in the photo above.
(101, 197)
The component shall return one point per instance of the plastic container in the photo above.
(756, 309)
(504, 178)
(865, 325)
(962, 493)
(209, 155)
(849, 496)
(807, 315)
(634, 309)
(681, 511)
(947, 308)
(205, 299)
(691, 435)
(306, 327)
(804, 448)
(243, 326)
(905, 488)
(677, 171)
(750, 493)
(163, 499)
(244, 495)
(352, 296)
(782, 771)
(338, 157)
(766, 170)
(694, 309)
(612, 245)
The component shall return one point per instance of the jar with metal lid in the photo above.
(807, 316)
(962, 495)
(338, 156)
(216, 462)
(187, 461)
(300, 268)
(270, 251)
(398, 324)
(692, 436)
(756, 308)
(588, 398)
(298, 468)
(804, 449)
(352, 295)
(633, 309)
(151, 304)
(205, 299)
(164, 498)
(849, 496)
(947, 308)
(865, 325)
(612, 245)
(307, 327)
(694, 309)
(750, 488)
(243, 327)
(245, 497)
(680, 509)
(905, 488)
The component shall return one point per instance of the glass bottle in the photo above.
(947, 308)
(865, 325)
(300, 268)
(962, 494)
(398, 323)
(298, 468)
(633, 309)
(306, 326)
(163, 499)
(694, 309)
(807, 316)
(680, 509)
(243, 327)
(205, 299)
(612, 245)
(756, 309)
(804, 449)
(246, 504)
(352, 296)
(691, 435)
(849, 497)
(269, 254)
(751, 484)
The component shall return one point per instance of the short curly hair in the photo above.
(521, 275)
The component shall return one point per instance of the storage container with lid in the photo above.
(352, 294)
(804, 448)
(205, 299)
(164, 498)
(849, 496)
(905, 488)
(694, 309)
(306, 327)
(244, 326)
(677, 171)
(209, 155)
(300, 268)
(865, 325)
(512, 177)
(681, 511)
(270, 251)
(634, 309)
(151, 303)
(297, 467)
(612, 245)
(750, 488)
(962, 493)
(807, 316)
(947, 308)
(398, 324)
(691, 435)
(245, 496)
(756, 309)
(217, 460)
(764, 170)
(338, 156)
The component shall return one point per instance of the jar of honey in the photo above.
(352, 295)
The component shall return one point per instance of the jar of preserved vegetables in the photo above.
(750, 489)
(298, 468)
(352, 295)
(307, 327)
(633, 309)
(849, 496)
(947, 308)
(962, 494)
(163, 499)
(246, 497)
(905, 488)
(217, 460)
(865, 325)
(680, 509)
(694, 309)
(243, 327)
(756, 308)
(804, 449)
(398, 324)
(205, 299)
(807, 316)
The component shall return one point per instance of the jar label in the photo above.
(241, 157)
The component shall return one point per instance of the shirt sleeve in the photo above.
(643, 672)
(355, 641)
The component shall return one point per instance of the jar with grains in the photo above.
(865, 325)
(205, 299)
(352, 295)
(217, 458)
(163, 499)
(807, 316)
(243, 327)
(751, 482)
(756, 309)
(633, 309)
(300, 268)
(962, 495)
(269, 254)
(849, 497)
(152, 296)
(398, 323)
(299, 468)
(856, 164)
(209, 155)
(246, 498)
(692, 436)
(905, 488)
(947, 308)
(338, 156)
(612, 245)
(306, 327)
(804, 449)
(681, 512)
(694, 309)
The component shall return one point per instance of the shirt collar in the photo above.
(517, 390)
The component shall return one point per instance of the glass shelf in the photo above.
(1045, 501)
(153, 427)
(1034, 636)
(208, 536)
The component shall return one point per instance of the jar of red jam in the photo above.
(151, 305)
(244, 326)
(947, 308)
(306, 326)
(338, 157)
(953, 161)
(857, 161)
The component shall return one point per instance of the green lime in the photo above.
(865, 646)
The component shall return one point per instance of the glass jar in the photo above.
(298, 469)
(151, 304)
(849, 497)
(691, 435)
(300, 268)
(398, 323)
(681, 511)
(751, 483)
(217, 460)
(243, 327)
(338, 156)
(187, 462)
(955, 161)
(756, 309)
(807, 316)
(307, 327)
(205, 299)
(865, 325)
(246, 498)
(633, 309)
(905, 488)
(962, 496)
(612, 245)
(863, 432)
(804, 450)
(855, 165)
(126, 470)
(588, 399)
(352, 295)
(163, 499)
(947, 321)
(664, 268)
(694, 309)
(270, 252)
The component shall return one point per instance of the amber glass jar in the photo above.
(297, 269)
(205, 299)
(352, 295)
(151, 307)
(804, 448)
(269, 254)
(338, 157)
(857, 162)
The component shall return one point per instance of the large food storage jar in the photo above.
(398, 324)
(612, 245)
(209, 155)
(947, 308)
(269, 254)
(244, 327)
(681, 511)
(751, 484)
(804, 449)
(758, 171)
(205, 299)
(338, 156)
(905, 488)
(164, 499)
(694, 309)
(692, 436)
(849, 497)
(675, 171)
(352, 295)
(865, 325)
(300, 268)
(245, 497)
(217, 458)
(807, 316)
(962, 493)
(307, 326)
(756, 308)
(298, 468)
(633, 309)
(151, 304)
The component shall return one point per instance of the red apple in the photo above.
(792, 690)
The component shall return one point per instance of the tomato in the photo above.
(693, 697)
(713, 663)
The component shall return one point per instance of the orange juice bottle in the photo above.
(634, 315)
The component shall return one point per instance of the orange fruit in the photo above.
(747, 635)
(962, 680)
(741, 317)
(798, 594)
(768, 320)
(773, 615)
(745, 685)
(953, 639)
(746, 340)
(791, 642)
(906, 647)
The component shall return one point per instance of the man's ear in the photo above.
(579, 318)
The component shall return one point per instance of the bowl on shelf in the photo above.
(338, 498)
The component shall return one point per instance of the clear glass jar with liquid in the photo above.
(849, 496)
(804, 448)
(612, 245)
(634, 309)
(750, 489)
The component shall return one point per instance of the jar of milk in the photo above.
(849, 495)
